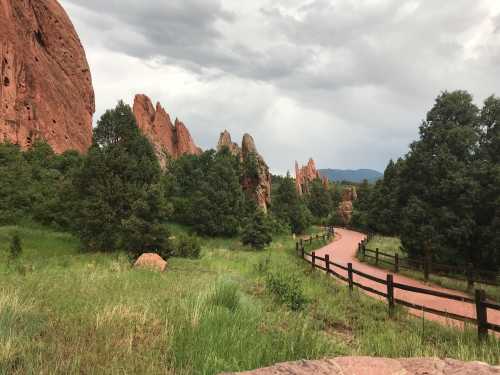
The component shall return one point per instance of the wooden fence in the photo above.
(466, 273)
(482, 304)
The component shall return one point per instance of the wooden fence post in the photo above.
(313, 260)
(390, 293)
(376, 256)
(350, 276)
(426, 268)
(470, 276)
(327, 263)
(301, 242)
(481, 314)
(297, 247)
(396, 263)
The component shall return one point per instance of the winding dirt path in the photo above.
(343, 251)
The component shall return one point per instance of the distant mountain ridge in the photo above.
(359, 175)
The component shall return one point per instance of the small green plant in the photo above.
(187, 246)
(16, 248)
(287, 289)
(226, 294)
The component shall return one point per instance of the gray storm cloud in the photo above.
(345, 81)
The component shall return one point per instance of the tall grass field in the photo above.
(63, 311)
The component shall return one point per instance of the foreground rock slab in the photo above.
(152, 262)
(379, 366)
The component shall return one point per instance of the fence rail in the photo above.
(482, 304)
(470, 275)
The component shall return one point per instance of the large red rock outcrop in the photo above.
(305, 175)
(379, 366)
(256, 183)
(168, 140)
(45, 84)
(346, 206)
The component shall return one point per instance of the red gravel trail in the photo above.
(343, 250)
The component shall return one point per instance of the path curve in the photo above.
(344, 251)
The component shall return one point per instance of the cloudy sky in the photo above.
(346, 82)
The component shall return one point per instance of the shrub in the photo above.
(287, 289)
(226, 294)
(187, 246)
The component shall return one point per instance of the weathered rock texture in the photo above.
(305, 175)
(345, 210)
(45, 84)
(379, 366)
(256, 179)
(169, 140)
(152, 262)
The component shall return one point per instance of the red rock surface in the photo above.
(379, 366)
(305, 175)
(168, 140)
(45, 89)
(151, 261)
(258, 186)
(346, 206)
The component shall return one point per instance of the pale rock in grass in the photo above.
(152, 262)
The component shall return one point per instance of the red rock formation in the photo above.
(255, 183)
(168, 140)
(226, 141)
(379, 366)
(45, 84)
(305, 175)
(346, 206)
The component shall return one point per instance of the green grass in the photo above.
(391, 245)
(66, 312)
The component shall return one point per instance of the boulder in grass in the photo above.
(152, 262)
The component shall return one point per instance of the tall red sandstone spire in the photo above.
(305, 175)
(168, 140)
(45, 84)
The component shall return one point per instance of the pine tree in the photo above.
(122, 205)
(257, 232)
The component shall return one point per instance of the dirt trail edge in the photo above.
(343, 251)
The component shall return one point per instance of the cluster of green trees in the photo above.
(117, 197)
(443, 197)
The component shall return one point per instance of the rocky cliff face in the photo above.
(345, 210)
(45, 84)
(168, 140)
(305, 175)
(256, 179)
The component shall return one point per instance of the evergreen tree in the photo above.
(207, 193)
(257, 232)
(437, 184)
(319, 199)
(122, 205)
(290, 208)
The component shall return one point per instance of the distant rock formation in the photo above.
(45, 84)
(346, 206)
(256, 182)
(305, 175)
(378, 366)
(168, 140)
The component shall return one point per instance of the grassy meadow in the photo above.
(391, 245)
(64, 312)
